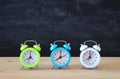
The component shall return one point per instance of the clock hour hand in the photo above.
(60, 53)
(30, 55)
(89, 57)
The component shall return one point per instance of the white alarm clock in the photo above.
(90, 56)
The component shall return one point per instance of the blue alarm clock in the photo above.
(60, 55)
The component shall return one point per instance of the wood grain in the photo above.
(109, 68)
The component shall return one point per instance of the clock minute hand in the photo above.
(63, 55)
(57, 59)
(27, 58)
(60, 57)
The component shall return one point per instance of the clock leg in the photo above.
(52, 67)
(97, 67)
(37, 67)
(82, 67)
(22, 67)
(68, 67)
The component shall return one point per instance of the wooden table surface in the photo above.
(109, 68)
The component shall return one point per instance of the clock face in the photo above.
(60, 58)
(30, 58)
(90, 58)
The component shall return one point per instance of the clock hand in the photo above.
(89, 55)
(57, 58)
(64, 55)
(60, 57)
(28, 61)
(30, 54)
(86, 59)
(60, 53)
(27, 58)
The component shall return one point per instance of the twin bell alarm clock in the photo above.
(30, 56)
(89, 56)
(60, 55)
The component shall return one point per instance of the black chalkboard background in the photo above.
(48, 20)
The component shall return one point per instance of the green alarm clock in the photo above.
(30, 56)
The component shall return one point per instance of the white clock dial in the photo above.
(30, 57)
(60, 57)
(90, 58)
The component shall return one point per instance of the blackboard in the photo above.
(48, 20)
